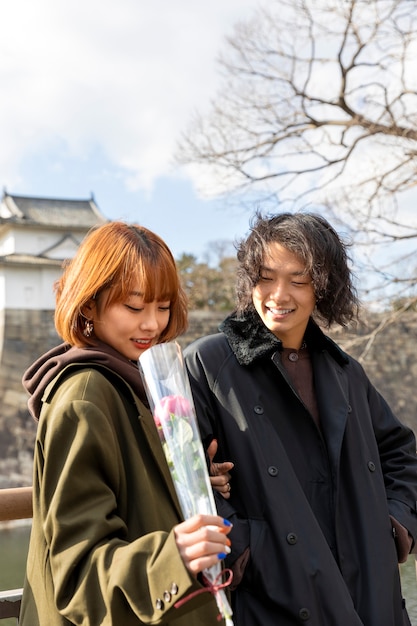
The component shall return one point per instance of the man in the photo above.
(324, 489)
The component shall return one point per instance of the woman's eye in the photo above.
(262, 277)
(132, 308)
(165, 307)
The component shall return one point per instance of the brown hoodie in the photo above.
(49, 365)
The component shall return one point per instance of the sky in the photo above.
(95, 96)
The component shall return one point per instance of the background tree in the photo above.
(318, 109)
(209, 287)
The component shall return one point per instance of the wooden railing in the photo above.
(15, 504)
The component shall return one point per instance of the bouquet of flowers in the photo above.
(169, 394)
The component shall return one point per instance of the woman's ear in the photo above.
(88, 309)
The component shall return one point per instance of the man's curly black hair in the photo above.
(316, 243)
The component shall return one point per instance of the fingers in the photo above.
(202, 541)
(212, 449)
(221, 484)
(220, 481)
(199, 521)
(223, 468)
(216, 469)
(211, 452)
(219, 472)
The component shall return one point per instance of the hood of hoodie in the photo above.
(38, 376)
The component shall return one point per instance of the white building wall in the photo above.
(65, 250)
(34, 242)
(29, 288)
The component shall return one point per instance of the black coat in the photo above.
(290, 480)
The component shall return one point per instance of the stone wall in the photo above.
(27, 335)
(389, 357)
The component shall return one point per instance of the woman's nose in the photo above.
(149, 320)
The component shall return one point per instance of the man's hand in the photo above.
(219, 472)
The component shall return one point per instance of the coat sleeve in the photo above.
(397, 453)
(98, 575)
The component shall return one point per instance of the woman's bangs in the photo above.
(160, 283)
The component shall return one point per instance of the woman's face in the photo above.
(130, 327)
(284, 296)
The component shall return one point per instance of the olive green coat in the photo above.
(102, 549)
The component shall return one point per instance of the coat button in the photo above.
(304, 614)
(174, 589)
(159, 604)
(258, 409)
(292, 538)
(272, 470)
(371, 466)
(167, 596)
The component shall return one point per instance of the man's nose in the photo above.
(279, 290)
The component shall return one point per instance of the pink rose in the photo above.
(171, 407)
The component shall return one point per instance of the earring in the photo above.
(88, 328)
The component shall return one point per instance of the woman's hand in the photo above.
(202, 541)
(219, 472)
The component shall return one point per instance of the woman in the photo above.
(108, 543)
(324, 488)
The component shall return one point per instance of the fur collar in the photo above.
(251, 340)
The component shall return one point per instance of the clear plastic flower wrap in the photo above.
(169, 394)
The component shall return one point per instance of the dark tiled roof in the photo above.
(52, 211)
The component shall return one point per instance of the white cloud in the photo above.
(119, 75)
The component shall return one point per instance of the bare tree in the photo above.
(318, 108)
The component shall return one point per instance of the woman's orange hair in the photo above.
(118, 257)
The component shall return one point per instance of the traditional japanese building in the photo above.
(36, 236)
